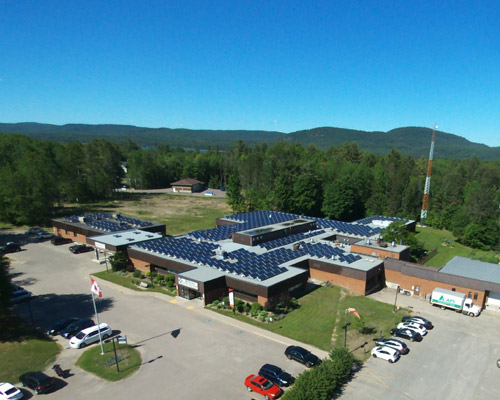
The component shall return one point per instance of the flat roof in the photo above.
(126, 237)
(371, 243)
(475, 269)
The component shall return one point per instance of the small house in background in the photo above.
(187, 185)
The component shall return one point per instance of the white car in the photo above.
(9, 392)
(413, 326)
(394, 343)
(386, 353)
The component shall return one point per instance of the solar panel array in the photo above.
(107, 223)
(347, 228)
(369, 220)
(323, 250)
(109, 226)
(272, 244)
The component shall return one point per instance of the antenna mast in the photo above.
(425, 201)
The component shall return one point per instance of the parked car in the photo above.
(33, 231)
(60, 325)
(58, 240)
(80, 248)
(75, 327)
(407, 334)
(261, 385)
(10, 247)
(396, 344)
(413, 325)
(90, 335)
(9, 392)
(37, 381)
(19, 294)
(41, 236)
(276, 375)
(419, 320)
(209, 194)
(386, 353)
(302, 355)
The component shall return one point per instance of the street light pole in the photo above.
(396, 299)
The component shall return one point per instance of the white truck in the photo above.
(455, 300)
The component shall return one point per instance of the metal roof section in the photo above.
(126, 237)
(107, 222)
(474, 269)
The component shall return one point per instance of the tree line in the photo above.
(342, 183)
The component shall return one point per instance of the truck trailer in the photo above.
(455, 300)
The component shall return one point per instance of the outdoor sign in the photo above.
(231, 297)
(188, 283)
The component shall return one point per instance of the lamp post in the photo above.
(396, 299)
(346, 324)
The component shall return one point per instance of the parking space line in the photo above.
(173, 301)
(190, 307)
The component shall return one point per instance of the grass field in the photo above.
(102, 365)
(448, 247)
(23, 349)
(180, 214)
(321, 316)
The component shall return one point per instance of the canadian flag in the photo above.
(231, 297)
(353, 310)
(95, 288)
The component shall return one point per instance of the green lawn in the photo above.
(321, 315)
(101, 365)
(448, 247)
(23, 349)
(127, 282)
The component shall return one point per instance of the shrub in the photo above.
(130, 268)
(247, 307)
(148, 273)
(256, 307)
(163, 283)
(240, 308)
(215, 303)
(170, 279)
(137, 273)
(134, 281)
(263, 316)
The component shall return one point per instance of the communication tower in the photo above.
(425, 201)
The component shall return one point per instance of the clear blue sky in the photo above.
(270, 65)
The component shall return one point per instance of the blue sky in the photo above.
(268, 65)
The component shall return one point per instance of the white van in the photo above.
(89, 336)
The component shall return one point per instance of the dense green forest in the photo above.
(341, 183)
(410, 141)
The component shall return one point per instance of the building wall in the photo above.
(380, 253)
(262, 300)
(422, 287)
(140, 264)
(356, 285)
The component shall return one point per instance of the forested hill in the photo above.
(413, 141)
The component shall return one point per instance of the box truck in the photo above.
(455, 300)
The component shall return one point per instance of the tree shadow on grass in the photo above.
(43, 311)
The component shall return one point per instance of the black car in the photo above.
(407, 334)
(60, 325)
(302, 355)
(10, 247)
(276, 375)
(37, 381)
(75, 327)
(80, 248)
(419, 320)
(58, 240)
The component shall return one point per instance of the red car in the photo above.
(259, 384)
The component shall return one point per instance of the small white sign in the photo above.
(100, 245)
(188, 283)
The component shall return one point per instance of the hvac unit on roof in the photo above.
(393, 244)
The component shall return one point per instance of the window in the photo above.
(475, 296)
(470, 295)
(453, 289)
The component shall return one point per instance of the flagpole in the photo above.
(97, 319)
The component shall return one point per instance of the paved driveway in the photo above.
(456, 360)
(209, 359)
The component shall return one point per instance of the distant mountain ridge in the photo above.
(410, 141)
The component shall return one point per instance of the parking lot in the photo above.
(212, 355)
(209, 359)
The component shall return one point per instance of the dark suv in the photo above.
(37, 381)
(10, 247)
(75, 327)
(276, 375)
